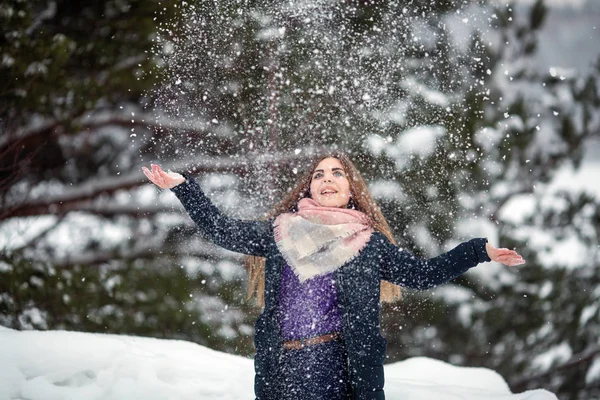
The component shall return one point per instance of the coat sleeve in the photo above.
(247, 237)
(403, 268)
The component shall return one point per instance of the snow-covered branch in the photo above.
(75, 198)
(40, 132)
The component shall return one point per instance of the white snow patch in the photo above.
(421, 378)
(432, 96)
(568, 252)
(453, 294)
(73, 235)
(386, 189)
(5, 267)
(33, 317)
(271, 33)
(419, 141)
(517, 208)
(57, 365)
(216, 181)
(546, 289)
(376, 144)
(230, 270)
(587, 313)
(465, 313)
(585, 179)
(397, 113)
(557, 354)
(593, 372)
(18, 231)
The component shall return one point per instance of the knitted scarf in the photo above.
(317, 240)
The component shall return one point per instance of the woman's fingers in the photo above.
(148, 174)
(164, 175)
(156, 168)
(510, 260)
(504, 255)
(156, 172)
(511, 256)
(159, 175)
(162, 179)
(167, 178)
(155, 176)
(508, 257)
(505, 251)
(175, 177)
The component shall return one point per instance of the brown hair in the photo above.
(360, 199)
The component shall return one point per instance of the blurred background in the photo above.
(467, 118)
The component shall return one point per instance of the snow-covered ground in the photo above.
(57, 365)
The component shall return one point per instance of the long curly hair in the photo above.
(360, 200)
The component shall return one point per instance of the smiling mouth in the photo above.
(328, 192)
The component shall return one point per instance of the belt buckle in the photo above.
(302, 343)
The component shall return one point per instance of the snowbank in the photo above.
(55, 365)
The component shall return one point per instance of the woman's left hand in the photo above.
(504, 256)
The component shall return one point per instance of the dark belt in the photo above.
(299, 344)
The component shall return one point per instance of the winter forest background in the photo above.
(468, 118)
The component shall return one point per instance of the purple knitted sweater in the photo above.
(308, 309)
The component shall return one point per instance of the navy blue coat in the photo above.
(358, 284)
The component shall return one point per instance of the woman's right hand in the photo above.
(162, 179)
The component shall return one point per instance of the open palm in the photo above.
(162, 179)
(504, 256)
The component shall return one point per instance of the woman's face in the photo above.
(329, 185)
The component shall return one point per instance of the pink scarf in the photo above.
(317, 240)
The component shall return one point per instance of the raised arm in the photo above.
(248, 237)
(403, 268)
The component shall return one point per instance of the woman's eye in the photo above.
(338, 173)
(317, 175)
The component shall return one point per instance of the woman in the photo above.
(321, 265)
